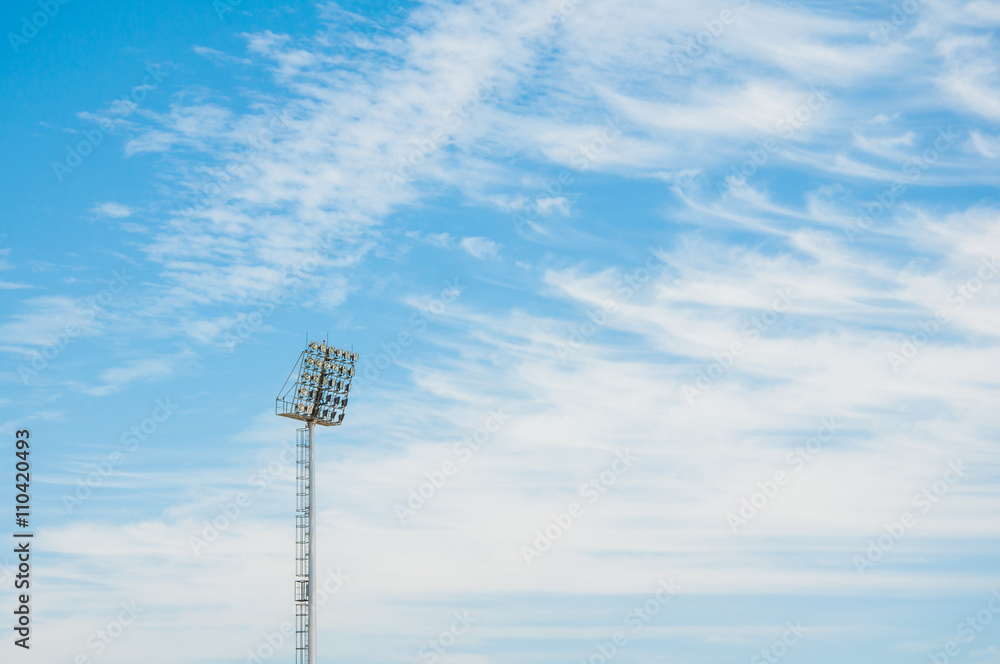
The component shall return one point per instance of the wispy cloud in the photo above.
(116, 378)
(480, 247)
(113, 210)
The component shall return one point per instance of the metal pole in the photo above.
(312, 543)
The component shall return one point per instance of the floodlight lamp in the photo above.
(316, 390)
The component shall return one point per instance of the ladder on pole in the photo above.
(303, 539)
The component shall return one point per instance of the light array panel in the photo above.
(322, 384)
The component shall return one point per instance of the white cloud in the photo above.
(113, 209)
(219, 56)
(543, 205)
(150, 369)
(50, 320)
(987, 146)
(983, 10)
(345, 148)
(508, 203)
(150, 141)
(547, 206)
(442, 240)
(971, 78)
(480, 247)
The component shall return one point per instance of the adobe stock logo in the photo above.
(563, 521)
(636, 618)
(767, 489)
(750, 332)
(271, 643)
(437, 478)
(447, 638)
(925, 499)
(86, 311)
(625, 289)
(92, 138)
(30, 27)
(780, 647)
(700, 44)
(373, 366)
(130, 441)
(967, 630)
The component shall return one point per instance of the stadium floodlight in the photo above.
(317, 395)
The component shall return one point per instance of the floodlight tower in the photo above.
(318, 395)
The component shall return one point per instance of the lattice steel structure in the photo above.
(317, 396)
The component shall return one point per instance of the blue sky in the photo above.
(689, 295)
